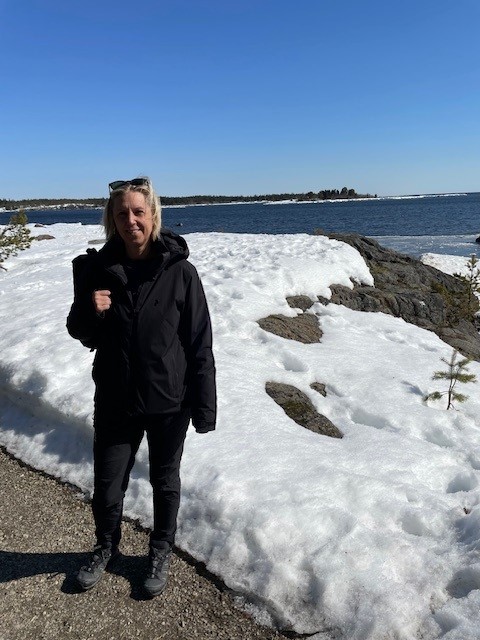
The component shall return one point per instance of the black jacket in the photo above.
(153, 355)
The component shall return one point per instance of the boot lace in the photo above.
(157, 558)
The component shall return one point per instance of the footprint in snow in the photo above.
(465, 481)
(464, 581)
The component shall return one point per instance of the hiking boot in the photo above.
(90, 574)
(157, 574)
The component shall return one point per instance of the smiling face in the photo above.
(134, 223)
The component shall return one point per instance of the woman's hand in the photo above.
(102, 300)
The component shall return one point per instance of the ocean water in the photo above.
(447, 223)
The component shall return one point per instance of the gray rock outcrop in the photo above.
(407, 288)
(298, 406)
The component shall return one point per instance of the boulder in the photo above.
(44, 236)
(300, 302)
(303, 328)
(298, 406)
(320, 388)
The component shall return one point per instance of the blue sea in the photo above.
(447, 223)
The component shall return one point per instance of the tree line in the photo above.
(84, 203)
(34, 203)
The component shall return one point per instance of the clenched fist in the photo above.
(102, 300)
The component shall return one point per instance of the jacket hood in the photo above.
(175, 244)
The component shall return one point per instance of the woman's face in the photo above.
(134, 223)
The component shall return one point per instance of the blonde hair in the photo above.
(151, 199)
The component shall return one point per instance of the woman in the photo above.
(141, 305)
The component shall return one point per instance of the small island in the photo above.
(92, 203)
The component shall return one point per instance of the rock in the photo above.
(44, 236)
(298, 406)
(37, 224)
(97, 241)
(300, 302)
(477, 239)
(407, 288)
(303, 328)
(319, 387)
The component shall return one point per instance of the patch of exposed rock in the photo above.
(303, 328)
(44, 236)
(320, 388)
(407, 288)
(298, 406)
(300, 302)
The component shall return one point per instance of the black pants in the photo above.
(114, 450)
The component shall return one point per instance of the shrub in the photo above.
(14, 237)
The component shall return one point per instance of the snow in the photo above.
(448, 264)
(373, 536)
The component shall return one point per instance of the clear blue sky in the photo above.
(239, 96)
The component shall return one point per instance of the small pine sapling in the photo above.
(456, 372)
(471, 280)
(14, 237)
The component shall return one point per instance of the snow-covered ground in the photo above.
(374, 536)
(448, 264)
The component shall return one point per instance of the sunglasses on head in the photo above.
(136, 182)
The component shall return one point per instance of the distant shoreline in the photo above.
(93, 205)
(98, 203)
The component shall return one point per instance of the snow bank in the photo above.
(373, 536)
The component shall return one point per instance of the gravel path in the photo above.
(45, 528)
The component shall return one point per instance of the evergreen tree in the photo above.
(456, 372)
(472, 285)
